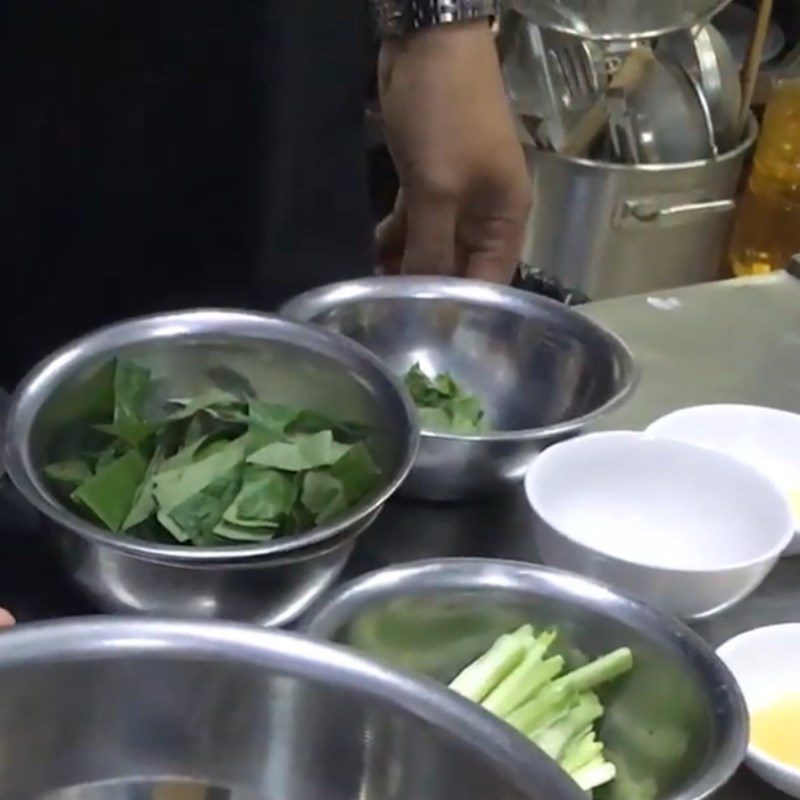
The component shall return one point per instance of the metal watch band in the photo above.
(400, 17)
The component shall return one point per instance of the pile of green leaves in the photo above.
(443, 405)
(217, 469)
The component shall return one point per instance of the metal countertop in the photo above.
(734, 341)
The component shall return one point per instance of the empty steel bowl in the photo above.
(542, 371)
(675, 726)
(135, 709)
(190, 351)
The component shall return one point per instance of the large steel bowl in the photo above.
(676, 726)
(615, 20)
(268, 583)
(542, 371)
(135, 709)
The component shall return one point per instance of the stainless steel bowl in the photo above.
(133, 709)
(286, 362)
(614, 20)
(542, 371)
(676, 726)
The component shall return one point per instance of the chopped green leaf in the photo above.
(74, 472)
(176, 486)
(179, 534)
(144, 503)
(111, 453)
(357, 472)
(199, 514)
(110, 492)
(237, 533)
(443, 405)
(301, 452)
(222, 467)
(272, 417)
(265, 497)
(323, 495)
(347, 432)
(132, 386)
(212, 400)
(132, 432)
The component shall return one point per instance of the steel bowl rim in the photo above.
(635, 36)
(309, 303)
(335, 666)
(388, 583)
(168, 326)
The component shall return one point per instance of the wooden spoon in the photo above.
(752, 63)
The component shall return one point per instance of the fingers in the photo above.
(496, 251)
(390, 239)
(430, 236)
(427, 235)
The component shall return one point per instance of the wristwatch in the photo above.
(400, 17)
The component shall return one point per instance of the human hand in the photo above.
(465, 193)
(6, 620)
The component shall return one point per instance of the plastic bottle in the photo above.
(767, 228)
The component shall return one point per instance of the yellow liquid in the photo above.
(775, 730)
(794, 501)
(767, 229)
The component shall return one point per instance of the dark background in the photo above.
(156, 155)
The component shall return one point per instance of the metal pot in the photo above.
(618, 229)
(129, 709)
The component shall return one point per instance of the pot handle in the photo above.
(652, 213)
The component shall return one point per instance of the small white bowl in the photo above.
(766, 664)
(690, 530)
(766, 438)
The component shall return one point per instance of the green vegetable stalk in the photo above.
(482, 676)
(518, 682)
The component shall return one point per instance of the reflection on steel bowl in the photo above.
(541, 371)
(119, 709)
(675, 727)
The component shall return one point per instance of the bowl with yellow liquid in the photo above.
(766, 664)
(766, 438)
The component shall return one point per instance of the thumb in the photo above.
(430, 237)
(496, 249)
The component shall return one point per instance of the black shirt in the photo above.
(172, 154)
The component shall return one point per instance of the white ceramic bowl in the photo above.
(689, 530)
(766, 664)
(766, 438)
